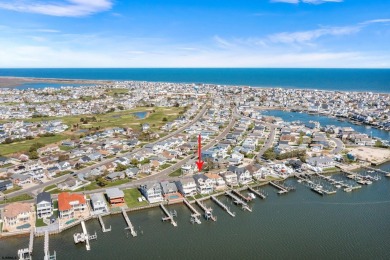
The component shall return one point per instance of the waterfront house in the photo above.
(44, 205)
(115, 196)
(152, 192)
(243, 175)
(217, 180)
(187, 186)
(204, 184)
(69, 204)
(230, 178)
(321, 161)
(18, 213)
(98, 204)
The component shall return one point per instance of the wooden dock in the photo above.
(169, 216)
(128, 222)
(223, 206)
(281, 188)
(207, 211)
(247, 199)
(46, 248)
(377, 170)
(26, 253)
(87, 245)
(258, 193)
(31, 242)
(102, 224)
(195, 214)
(238, 201)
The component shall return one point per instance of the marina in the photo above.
(259, 193)
(238, 201)
(282, 189)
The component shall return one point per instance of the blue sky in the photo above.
(195, 33)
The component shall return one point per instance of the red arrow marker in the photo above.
(199, 163)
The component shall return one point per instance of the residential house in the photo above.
(152, 192)
(44, 205)
(98, 204)
(18, 213)
(115, 196)
(6, 185)
(217, 180)
(69, 204)
(230, 178)
(204, 184)
(321, 161)
(187, 186)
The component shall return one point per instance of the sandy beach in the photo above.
(9, 82)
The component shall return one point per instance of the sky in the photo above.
(195, 33)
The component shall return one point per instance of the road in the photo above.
(34, 189)
(339, 145)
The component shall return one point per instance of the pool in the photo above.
(140, 115)
(172, 197)
(24, 226)
(70, 221)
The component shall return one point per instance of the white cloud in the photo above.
(67, 8)
(375, 21)
(308, 36)
(316, 2)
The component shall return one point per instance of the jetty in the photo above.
(46, 248)
(223, 206)
(207, 211)
(195, 214)
(128, 222)
(259, 193)
(282, 189)
(247, 199)
(238, 201)
(377, 170)
(84, 237)
(102, 224)
(169, 215)
(26, 253)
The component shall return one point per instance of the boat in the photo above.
(347, 189)
(338, 186)
(79, 237)
(252, 195)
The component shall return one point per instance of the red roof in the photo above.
(65, 198)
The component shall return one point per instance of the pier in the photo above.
(247, 199)
(102, 224)
(169, 215)
(46, 248)
(317, 188)
(128, 222)
(377, 170)
(223, 206)
(282, 189)
(26, 253)
(257, 192)
(195, 214)
(238, 201)
(207, 211)
(84, 237)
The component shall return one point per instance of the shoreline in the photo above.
(24, 80)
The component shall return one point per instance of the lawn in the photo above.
(55, 191)
(164, 166)
(59, 174)
(176, 173)
(131, 198)
(6, 165)
(66, 148)
(15, 188)
(40, 223)
(50, 187)
(17, 198)
(24, 146)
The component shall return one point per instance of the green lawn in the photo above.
(55, 191)
(17, 198)
(50, 187)
(39, 223)
(6, 165)
(66, 148)
(131, 198)
(59, 174)
(164, 166)
(15, 188)
(24, 146)
(176, 173)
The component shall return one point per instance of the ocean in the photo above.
(374, 80)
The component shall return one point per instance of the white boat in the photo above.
(338, 186)
(252, 195)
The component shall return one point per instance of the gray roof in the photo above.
(168, 187)
(114, 193)
(43, 197)
(97, 197)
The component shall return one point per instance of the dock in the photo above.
(195, 214)
(281, 188)
(377, 170)
(46, 248)
(102, 224)
(257, 192)
(88, 246)
(247, 199)
(207, 211)
(169, 215)
(223, 206)
(128, 222)
(317, 188)
(238, 201)
(26, 253)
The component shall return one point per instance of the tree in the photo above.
(134, 162)
(165, 119)
(101, 181)
(269, 154)
(33, 155)
(63, 157)
(120, 107)
(120, 167)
